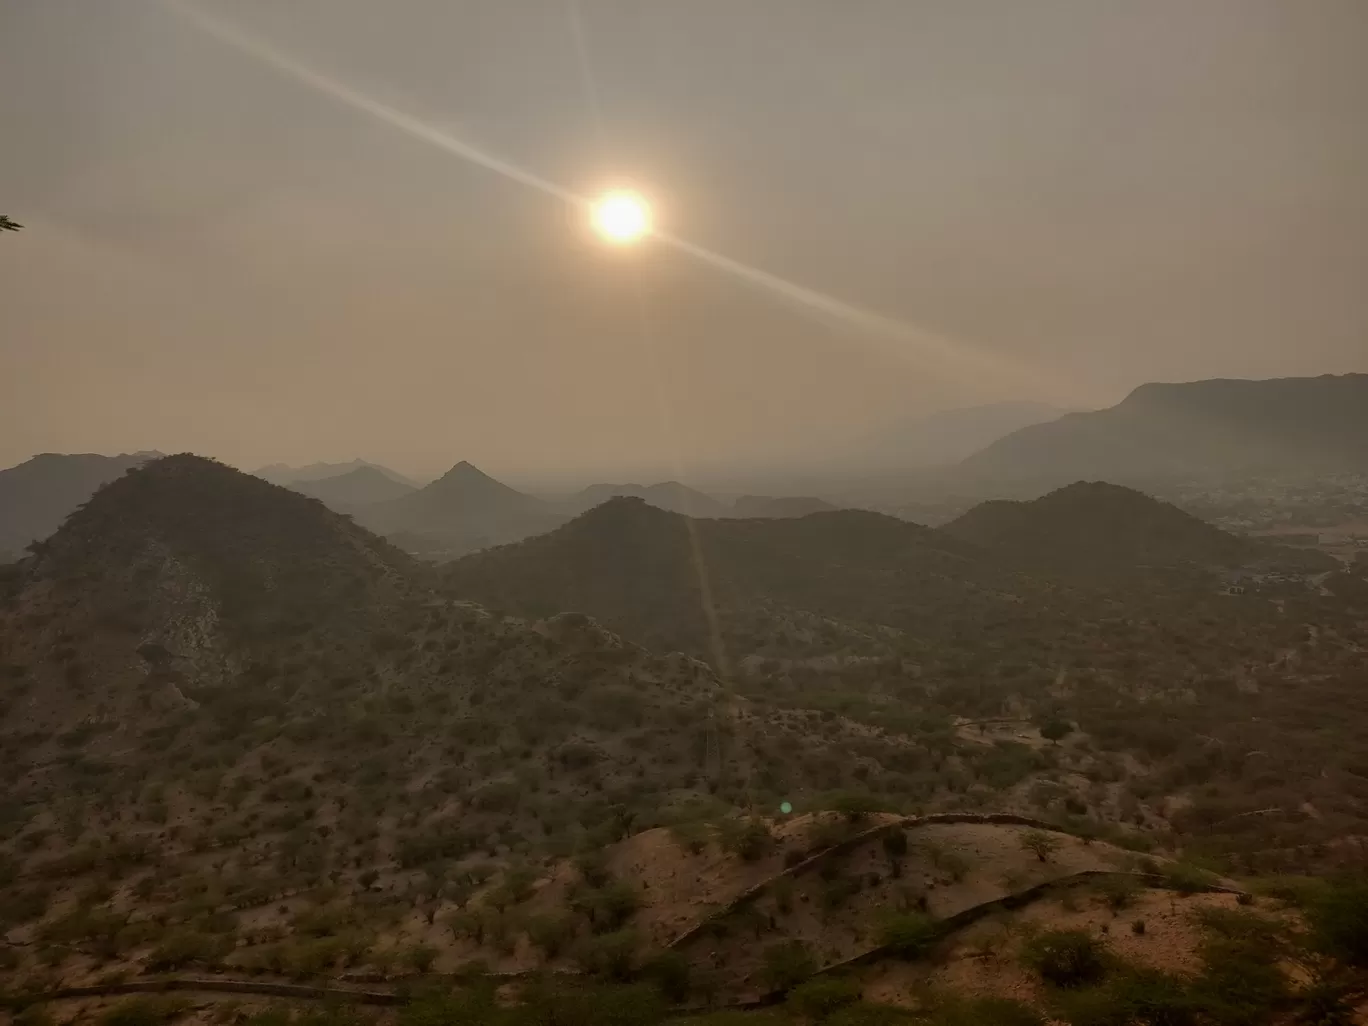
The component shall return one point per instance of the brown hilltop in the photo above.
(1100, 528)
(818, 581)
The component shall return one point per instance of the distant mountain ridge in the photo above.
(38, 494)
(947, 436)
(463, 510)
(358, 487)
(1295, 426)
(283, 474)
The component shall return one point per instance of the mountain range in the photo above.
(37, 495)
(1295, 427)
(359, 487)
(283, 474)
(463, 510)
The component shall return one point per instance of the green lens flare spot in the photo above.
(785, 807)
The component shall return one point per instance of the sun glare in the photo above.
(622, 217)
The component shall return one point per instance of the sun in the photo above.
(621, 217)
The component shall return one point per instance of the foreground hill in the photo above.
(463, 510)
(962, 920)
(214, 682)
(359, 487)
(752, 585)
(36, 495)
(1285, 426)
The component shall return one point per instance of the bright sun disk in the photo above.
(621, 216)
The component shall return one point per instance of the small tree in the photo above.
(1055, 731)
(1040, 844)
(7, 225)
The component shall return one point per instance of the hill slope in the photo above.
(1293, 426)
(36, 495)
(463, 510)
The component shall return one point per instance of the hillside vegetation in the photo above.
(805, 762)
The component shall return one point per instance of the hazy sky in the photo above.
(1079, 194)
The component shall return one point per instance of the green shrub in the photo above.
(988, 1011)
(145, 1011)
(550, 933)
(607, 908)
(571, 1005)
(787, 964)
(1119, 892)
(817, 999)
(1066, 958)
(1338, 916)
(187, 948)
(420, 957)
(1139, 997)
(909, 934)
(749, 838)
(670, 972)
(611, 956)
(1186, 878)
(1241, 982)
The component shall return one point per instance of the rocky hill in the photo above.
(1293, 427)
(38, 494)
(463, 510)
